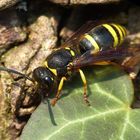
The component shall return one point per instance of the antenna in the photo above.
(16, 72)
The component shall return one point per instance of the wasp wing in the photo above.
(92, 58)
(74, 39)
(132, 64)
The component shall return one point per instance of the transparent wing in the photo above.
(91, 57)
(74, 39)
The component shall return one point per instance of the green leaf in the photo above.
(108, 118)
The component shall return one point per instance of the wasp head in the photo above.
(44, 78)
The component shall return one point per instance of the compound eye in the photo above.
(47, 81)
(44, 77)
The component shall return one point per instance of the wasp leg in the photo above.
(118, 65)
(103, 63)
(85, 86)
(58, 91)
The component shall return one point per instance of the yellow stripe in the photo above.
(120, 32)
(67, 48)
(71, 51)
(123, 30)
(113, 33)
(92, 41)
(54, 71)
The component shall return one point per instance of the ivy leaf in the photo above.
(109, 117)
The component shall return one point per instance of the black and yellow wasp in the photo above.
(90, 45)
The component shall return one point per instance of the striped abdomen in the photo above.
(102, 37)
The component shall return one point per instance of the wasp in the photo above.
(88, 46)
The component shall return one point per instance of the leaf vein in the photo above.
(111, 96)
(132, 125)
(83, 120)
(125, 126)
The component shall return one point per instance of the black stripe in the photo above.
(117, 32)
(122, 29)
(102, 36)
(85, 45)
